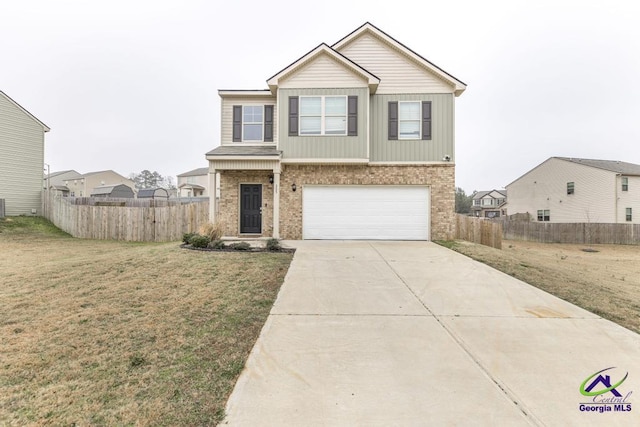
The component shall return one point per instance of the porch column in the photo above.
(276, 205)
(212, 195)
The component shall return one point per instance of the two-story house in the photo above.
(21, 158)
(194, 183)
(489, 204)
(85, 184)
(571, 190)
(350, 141)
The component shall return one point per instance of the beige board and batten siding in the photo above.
(397, 72)
(21, 160)
(440, 145)
(226, 131)
(333, 147)
(545, 187)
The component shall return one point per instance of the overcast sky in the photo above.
(132, 85)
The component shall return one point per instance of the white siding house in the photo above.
(194, 183)
(21, 158)
(571, 190)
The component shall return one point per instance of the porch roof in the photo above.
(241, 151)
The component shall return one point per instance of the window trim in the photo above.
(243, 123)
(571, 187)
(323, 115)
(625, 183)
(628, 212)
(544, 215)
(419, 120)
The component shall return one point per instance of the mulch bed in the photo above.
(252, 249)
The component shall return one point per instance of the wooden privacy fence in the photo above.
(2, 208)
(578, 233)
(112, 219)
(479, 230)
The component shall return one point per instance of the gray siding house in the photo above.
(353, 140)
(573, 190)
(21, 158)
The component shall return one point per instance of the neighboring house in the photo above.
(57, 181)
(194, 183)
(571, 190)
(83, 185)
(489, 204)
(350, 141)
(116, 191)
(21, 158)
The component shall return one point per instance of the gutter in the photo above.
(615, 192)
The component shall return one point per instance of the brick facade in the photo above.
(439, 178)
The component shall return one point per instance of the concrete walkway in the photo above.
(410, 333)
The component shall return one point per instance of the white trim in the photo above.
(324, 160)
(248, 144)
(240, 184)
(419, 137)
(323, 115)
(410, 163)
(245, 93)
(254, 141)
(217, 158)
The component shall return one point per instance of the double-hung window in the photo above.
(323, 115)
(544, 215)
(252, 123)
(409, 120)
(625, 183)
(571, 187)
(629, 214)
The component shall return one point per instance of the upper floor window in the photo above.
(476, 202)
(487, 202)
(544, 215)
(625, 183)
(409, 120)
(253, 123)
(323, 115)
(629, 214)
(570, 187)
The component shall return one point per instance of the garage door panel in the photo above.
(366, 212)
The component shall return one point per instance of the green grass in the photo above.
(115, 333)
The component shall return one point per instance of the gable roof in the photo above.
(196, 172)
(322, 48)
(54, 174)
(481, 194)
(44, 127)
(367, 27)
(616, 166)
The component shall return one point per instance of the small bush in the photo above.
(273, 245)
(217, 244)
(212, 230)
(186, 237)
(198, 241)
(240, 246)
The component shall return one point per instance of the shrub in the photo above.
(198, 241)
(240, 246)
(186, 237)
(217, 244)
(273, 245)
(212, 230)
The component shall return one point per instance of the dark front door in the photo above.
(251, 208)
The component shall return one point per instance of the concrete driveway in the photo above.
(410, 333)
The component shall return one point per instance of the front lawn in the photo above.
(113, 333)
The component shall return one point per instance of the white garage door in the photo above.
(376, 212)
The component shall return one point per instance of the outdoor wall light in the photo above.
(270, 179)
(293, 187)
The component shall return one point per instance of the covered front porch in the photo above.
(249, 204)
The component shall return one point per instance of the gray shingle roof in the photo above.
(239, 150)
(616, 166)
(196, 172)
